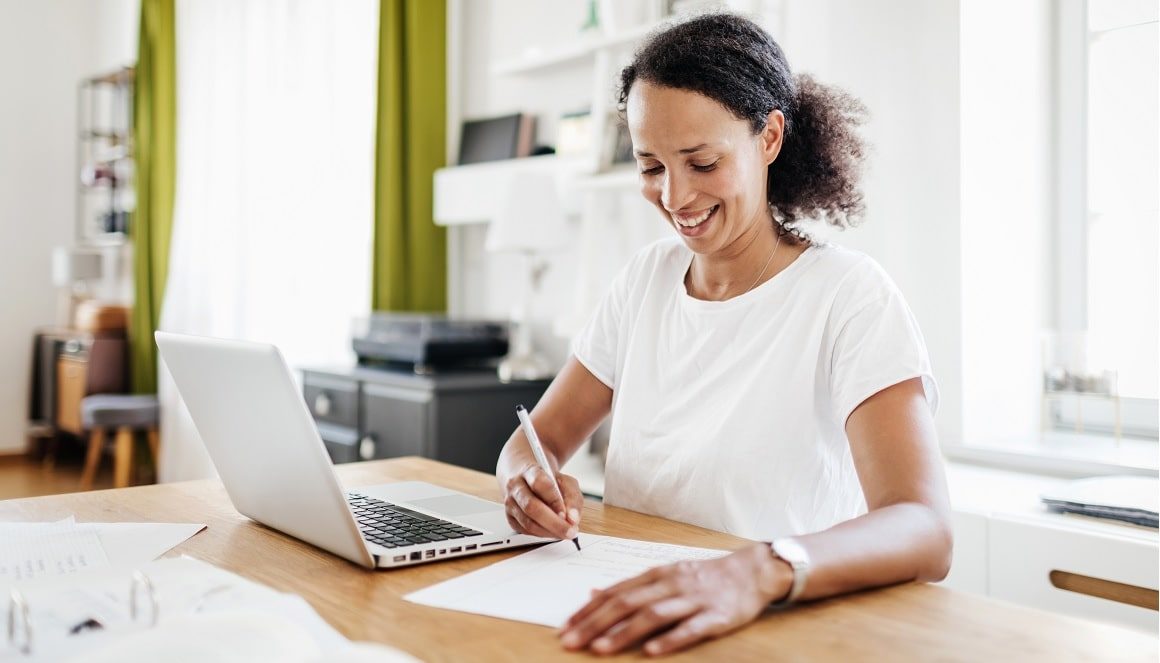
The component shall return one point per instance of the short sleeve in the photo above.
(878, 346)
(596, 345)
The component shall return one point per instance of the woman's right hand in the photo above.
(533, 504)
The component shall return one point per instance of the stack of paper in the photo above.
(1129, 499)
(203, 613)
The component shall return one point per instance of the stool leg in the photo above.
(154, 444)
(93, 457)
(122, 456)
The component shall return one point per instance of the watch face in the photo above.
(791, 551)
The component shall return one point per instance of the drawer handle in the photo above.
(322, 404)
(366, 447)
(1141, 597)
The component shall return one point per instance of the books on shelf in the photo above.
(497, 138)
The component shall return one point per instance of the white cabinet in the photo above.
(1023, 554)
(1007, 545)
(969, 567)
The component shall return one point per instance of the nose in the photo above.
(675, 191)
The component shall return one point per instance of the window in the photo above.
(1108, 204)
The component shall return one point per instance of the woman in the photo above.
(759, 383)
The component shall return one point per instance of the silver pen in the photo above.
(538, 452)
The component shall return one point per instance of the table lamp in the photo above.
(530, 221)
(72, 270)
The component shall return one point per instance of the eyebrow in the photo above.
(687, 150)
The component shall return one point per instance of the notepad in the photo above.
(546, 585)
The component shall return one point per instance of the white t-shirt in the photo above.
(731, 415)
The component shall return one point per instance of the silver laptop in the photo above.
(266, 448)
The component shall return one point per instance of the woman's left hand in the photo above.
(690, 601)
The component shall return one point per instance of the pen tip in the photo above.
(577, 542)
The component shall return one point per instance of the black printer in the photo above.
(427, 341)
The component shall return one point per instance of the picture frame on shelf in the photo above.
(616, 147)
(574, 134)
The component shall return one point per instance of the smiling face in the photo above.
(703, 168)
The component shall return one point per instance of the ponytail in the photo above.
(817, 173)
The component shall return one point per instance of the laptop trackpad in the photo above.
(455, 506)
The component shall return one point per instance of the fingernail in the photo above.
(574, 515)
(652, 648)
(603, 644)
(562, 516)
(573, 533)
(570, 640)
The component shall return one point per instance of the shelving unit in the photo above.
(105, 195)
(470, 194)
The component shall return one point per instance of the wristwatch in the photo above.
(799, 560)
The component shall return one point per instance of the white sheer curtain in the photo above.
(273, 212)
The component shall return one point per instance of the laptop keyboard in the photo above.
(392, 526)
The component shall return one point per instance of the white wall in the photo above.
(46, 47)
(900, 57)
(1007, 204)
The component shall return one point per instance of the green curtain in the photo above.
(410, 251)
(154, 150)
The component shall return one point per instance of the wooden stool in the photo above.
(125, 414)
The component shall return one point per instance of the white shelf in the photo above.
(473, 193)
(617, 178)
(539, 61)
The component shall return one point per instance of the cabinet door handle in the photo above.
(322, 404)
(366, 447)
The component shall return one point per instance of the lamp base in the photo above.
(523, 366)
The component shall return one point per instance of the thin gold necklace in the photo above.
(767, 261)
(759, 275)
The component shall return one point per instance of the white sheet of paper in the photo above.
(39, 550)
(546, 585)
(130, 545)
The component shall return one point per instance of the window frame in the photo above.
(1068, 235)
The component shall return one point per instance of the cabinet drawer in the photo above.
(342, 443)
(332, 400)
(396, 420)
(1023, 556)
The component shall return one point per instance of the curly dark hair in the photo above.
(733, 61)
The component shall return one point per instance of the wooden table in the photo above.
(910, 622)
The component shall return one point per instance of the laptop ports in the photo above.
(400, 558)
(415, 556)
(430, 553)
(471, 547)
(456, 549)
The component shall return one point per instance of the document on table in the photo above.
(31, 551)
(546, 585)
(39, 550)
(204, 613)
(132, 544)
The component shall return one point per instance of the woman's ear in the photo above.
(772, 136)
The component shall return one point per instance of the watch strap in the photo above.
(794, 555)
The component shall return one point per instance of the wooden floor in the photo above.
(22, 476)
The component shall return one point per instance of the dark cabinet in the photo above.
(463, 418)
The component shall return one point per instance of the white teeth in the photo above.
(693, 222)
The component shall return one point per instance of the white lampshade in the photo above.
(530, 217)
(72, 264)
